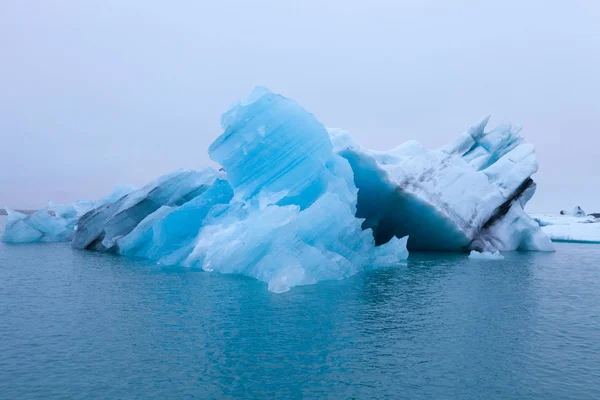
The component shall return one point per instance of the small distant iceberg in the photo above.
(574, 227)
(486, 255)
(295, 203)
(53, 223)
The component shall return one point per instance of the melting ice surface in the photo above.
(295, 204)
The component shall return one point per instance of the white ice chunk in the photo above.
(486, 255)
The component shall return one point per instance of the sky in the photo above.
(98, 93)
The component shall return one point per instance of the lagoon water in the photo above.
(81, 325)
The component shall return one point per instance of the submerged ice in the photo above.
(294, 203)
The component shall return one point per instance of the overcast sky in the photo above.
(96, 93)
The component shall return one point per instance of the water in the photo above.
(79, 325)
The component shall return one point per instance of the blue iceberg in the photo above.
(284, 211)
(295, 203)
(53, 223)
(100, 228)
(292, 218)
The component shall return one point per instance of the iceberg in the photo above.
(283, 213)
(468, 195)
(167, 235)
(51, 224)
(54, 223)
(100, 228)
(295, 203)
(575, 228)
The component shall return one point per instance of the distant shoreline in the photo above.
(3, 211)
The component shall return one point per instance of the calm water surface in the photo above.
(80, 325)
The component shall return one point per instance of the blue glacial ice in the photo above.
(284, 213)
(168, 234)
(295, 204)
(53, 223)
(100, 228)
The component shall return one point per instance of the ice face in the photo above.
(100, 228)
(285, 215)
(167, 234)
(117, 193)
(50, 224)
(272, 145)
(17, 229)
(54, 223)
(575, 232)
(467, 195)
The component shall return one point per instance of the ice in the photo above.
(272, 145)
(284, 212)
(468, 195)
(167, 234)
(570, 228)
(285, 215)
(295, 204)
(117, 193)
(17, 229)
(486, 255)
(100, 228)
(54, 223)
